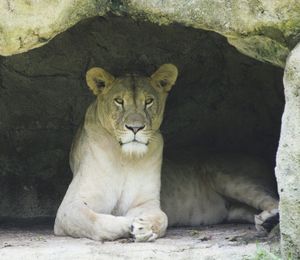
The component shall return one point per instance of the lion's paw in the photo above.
(142, 230)
(266, 220)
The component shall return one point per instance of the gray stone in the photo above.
(27, 24)
(265, 30)
(288, 160)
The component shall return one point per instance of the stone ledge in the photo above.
(213, 242)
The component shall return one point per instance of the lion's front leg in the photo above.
(147, 228)
(149, 222)
(77, 220)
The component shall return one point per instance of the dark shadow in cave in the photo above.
(223, 101)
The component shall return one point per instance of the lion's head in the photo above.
(131, 107)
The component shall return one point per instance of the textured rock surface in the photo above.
(222, 101)
(264, 29)
(29, 24)
(288, 159)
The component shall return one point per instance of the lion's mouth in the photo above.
(134, 147)
(133, 141)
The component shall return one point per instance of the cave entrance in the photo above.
(222, 101)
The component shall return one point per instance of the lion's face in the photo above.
(131, 107)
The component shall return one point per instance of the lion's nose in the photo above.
(135, 129)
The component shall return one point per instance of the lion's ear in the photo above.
(165, 77)
(98, 79)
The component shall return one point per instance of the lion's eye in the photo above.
(149, 102)
(119, 101)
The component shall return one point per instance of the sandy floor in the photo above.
(214, 242)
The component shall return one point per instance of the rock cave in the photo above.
(223, 101)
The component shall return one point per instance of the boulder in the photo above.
(288, 160)
(263, 29)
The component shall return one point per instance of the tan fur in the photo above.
(90, 215)
(116, 160)
(202, 189)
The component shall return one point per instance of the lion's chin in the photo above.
(134, 149)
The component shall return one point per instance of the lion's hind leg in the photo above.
(251, 192)
(266, 220)
(263, 221)
(238, 212)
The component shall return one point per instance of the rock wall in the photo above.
(222, 101)
(288, 160)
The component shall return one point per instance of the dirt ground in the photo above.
(212, 242)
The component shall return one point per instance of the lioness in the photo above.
(116, 160)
